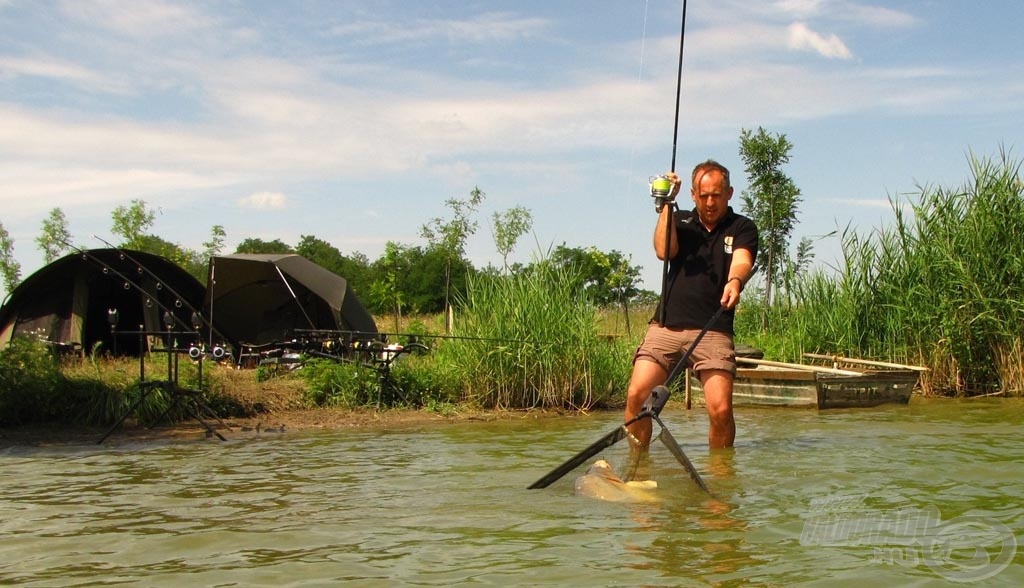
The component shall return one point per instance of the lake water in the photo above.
(926, 494)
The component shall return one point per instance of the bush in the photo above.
(31, 383)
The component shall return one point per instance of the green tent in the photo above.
(263, 299)
(66, 303)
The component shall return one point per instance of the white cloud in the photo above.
(254, 120)
(264, 201)
(483, 28)
(62, 71)
(844, 11)
(30, 188)
(801, 37)
(138, 18)
(799, 8)
(881, 16)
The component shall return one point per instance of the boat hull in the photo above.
(796, 388)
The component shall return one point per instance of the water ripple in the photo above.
(446, 505)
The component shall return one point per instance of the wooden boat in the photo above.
(849, 383)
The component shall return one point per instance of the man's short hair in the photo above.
(708, 166)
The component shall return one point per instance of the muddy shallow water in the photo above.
(924, 494)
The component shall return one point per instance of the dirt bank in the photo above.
(271, 423)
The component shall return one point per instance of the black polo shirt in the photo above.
(698, 272)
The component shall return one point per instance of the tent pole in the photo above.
(212, 281)
(312, 325)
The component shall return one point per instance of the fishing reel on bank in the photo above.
(661, 191)
(198, 351)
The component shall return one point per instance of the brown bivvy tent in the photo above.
(263, 299)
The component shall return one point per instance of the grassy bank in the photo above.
(524, 341)
(941, 287)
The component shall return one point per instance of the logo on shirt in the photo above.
(728, 245)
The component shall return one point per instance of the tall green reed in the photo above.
(943, 286)
(531, 340)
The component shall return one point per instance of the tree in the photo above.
(622, 281)
(131, 223)
(255, 245)
(509, 226)
(385, 291)
(54, 238)
(353, 268)
(607, 278)
(450, 237)
(320, 252)
(9, 267)
(771, 201)
(215, 245)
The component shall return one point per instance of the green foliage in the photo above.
(420, 381)
(530, 340)
(942, 287)
(215, 245)
(35, 388)
(508, 227)
(771, 201)
(254, 245)
(448, 237)
(354, 268)
(332, 383)
(413, 280)
(412, 382)
(31, 383)
(54, 237)
(386, 292)
(131, 223)
(607, 278)
(10, 269)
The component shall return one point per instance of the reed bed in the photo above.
(942, 287)
(531, 340)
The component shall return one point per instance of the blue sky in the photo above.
(355, 121)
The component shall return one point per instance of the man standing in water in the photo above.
(711, 252)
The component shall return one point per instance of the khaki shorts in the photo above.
(665, 346)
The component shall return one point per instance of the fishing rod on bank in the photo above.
(170, 316)
(129, 283)
(367, 335)
(197, 315)
(660, 186)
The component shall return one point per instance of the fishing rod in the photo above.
(130, 283)
(196, 313)
(338, 344)
(661, 187)
(170, 317)
(412, 336)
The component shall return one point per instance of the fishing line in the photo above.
(679, 86)
(675, 140)
(639, 81)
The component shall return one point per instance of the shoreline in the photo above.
(264, 424)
